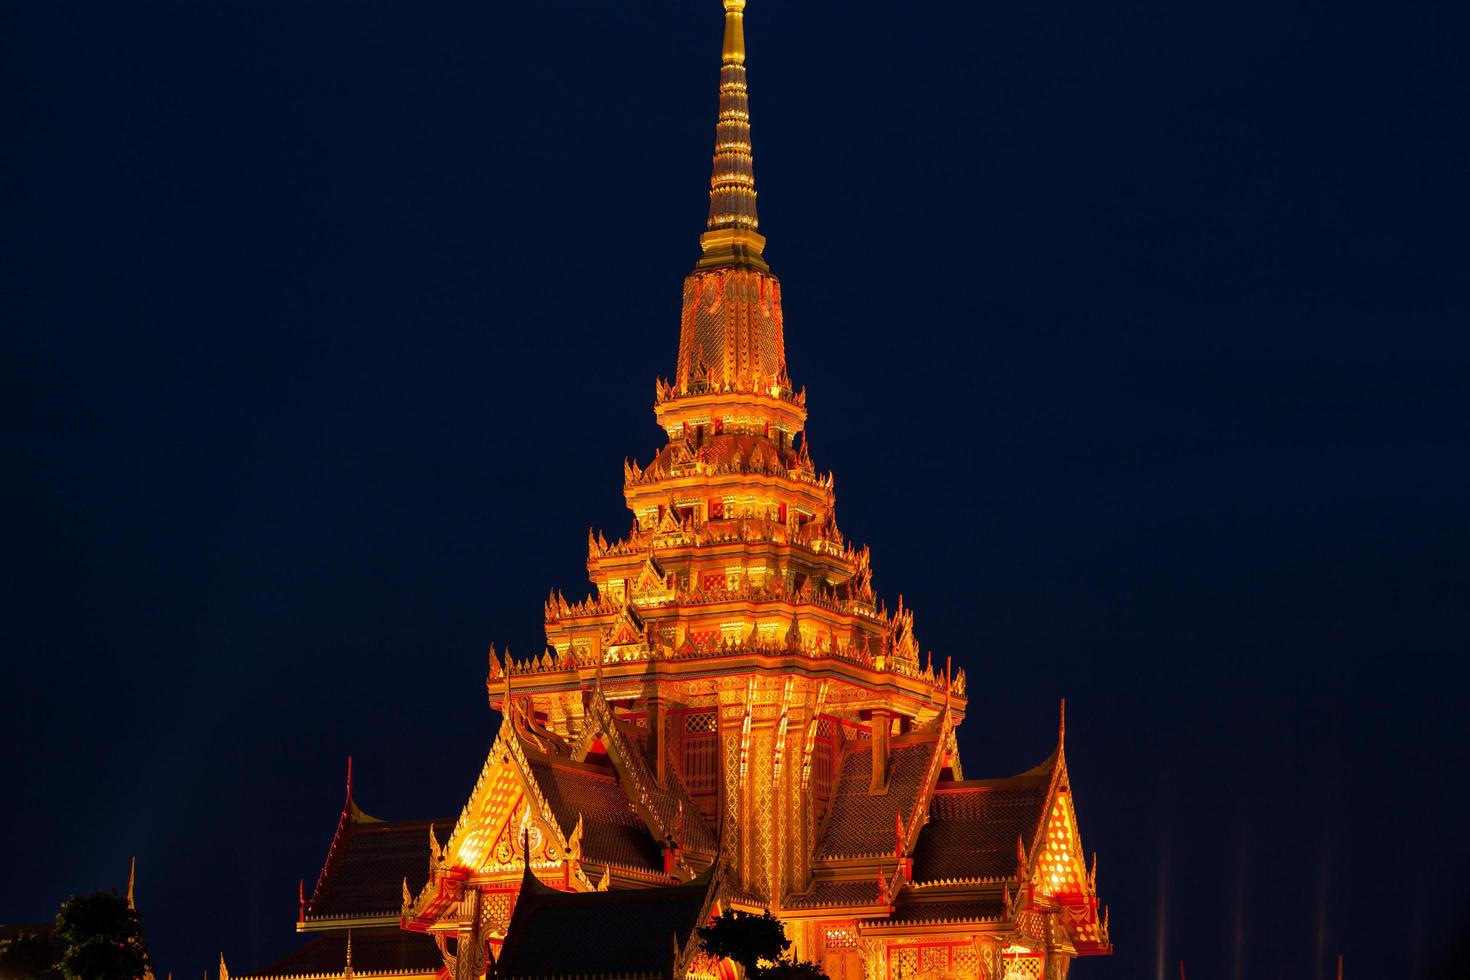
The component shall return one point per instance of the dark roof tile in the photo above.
(627, 933)
(973, 828)
(836, 894)
(383, 950)
(864, 826)
(367, 864)
(936, 913)
(612, 832)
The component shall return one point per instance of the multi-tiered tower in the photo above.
(734, 628)
(733, 707)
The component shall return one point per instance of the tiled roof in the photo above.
(936, 913)
(367, 864)
(836, 894)
(384, 950)
(864, 826)
(973, 827)
(731, 891)
(612, 832)
(628, 933)
(627, 749)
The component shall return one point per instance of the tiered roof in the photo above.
(357, 899)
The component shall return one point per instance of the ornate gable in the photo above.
(650, 585)
(626, 630)
(1058, 867)
(506, 826)
(1058, 877)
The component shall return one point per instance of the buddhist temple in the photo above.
(732, 718)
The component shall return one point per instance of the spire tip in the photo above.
(731, 237)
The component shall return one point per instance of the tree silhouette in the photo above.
(102, 937)
(793, 970)
(758, 944)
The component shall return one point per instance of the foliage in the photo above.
(758, 944)
(103, 939)
(30, 956)
(793, 970)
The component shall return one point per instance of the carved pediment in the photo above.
(651, 584)
(626, 630)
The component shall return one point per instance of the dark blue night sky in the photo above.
(1135, 334)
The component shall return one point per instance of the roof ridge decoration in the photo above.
(547, 818)
(642, 789)
(438, 854)
(952, 748)
(919, 811)
(351, 814)
(358, 816)
(497, 672)
(574, 843)
(714, 877)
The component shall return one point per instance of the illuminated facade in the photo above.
(732, 705)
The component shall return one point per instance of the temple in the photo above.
(731, 718)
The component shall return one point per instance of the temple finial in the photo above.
(132, 876)
(734, 49)
(731, 238)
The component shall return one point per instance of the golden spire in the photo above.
(732, 238)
